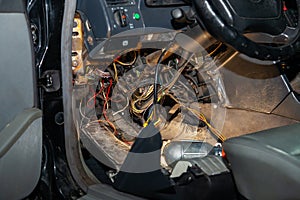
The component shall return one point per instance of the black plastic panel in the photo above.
(102, 17)
(94, 12)
(158, 3)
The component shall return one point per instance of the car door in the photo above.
(20, 119)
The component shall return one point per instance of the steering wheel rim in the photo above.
(220, 29)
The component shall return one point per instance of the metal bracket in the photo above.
(50, 81)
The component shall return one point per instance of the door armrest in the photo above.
(13, 130)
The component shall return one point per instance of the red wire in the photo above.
(104, 109)
(107, 98)
(106, 103)
(95, 95)
(284, 7)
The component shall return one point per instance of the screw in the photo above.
(49, 81)
(74, 63)
(75, 24)
(90, 40)
(59, 118)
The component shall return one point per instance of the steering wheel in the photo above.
(231, 20)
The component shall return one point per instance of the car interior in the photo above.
(150, 99)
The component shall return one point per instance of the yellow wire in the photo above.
(215, 49)
(150, 117)
(202, 118)
(213, 130)
(128, 64)
(116, 71)
(147, 122)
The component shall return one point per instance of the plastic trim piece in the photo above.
(13, 131)
(78, 170)
(105, 192)
(20, 167)
(12, 6)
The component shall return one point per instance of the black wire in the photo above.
(157, 83)
(156, 78)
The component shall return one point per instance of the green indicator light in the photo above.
(136, 16)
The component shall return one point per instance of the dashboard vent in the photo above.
(119, 2)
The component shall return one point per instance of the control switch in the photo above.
(121, 18)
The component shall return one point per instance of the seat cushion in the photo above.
(266, 165)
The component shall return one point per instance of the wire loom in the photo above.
(140, 105)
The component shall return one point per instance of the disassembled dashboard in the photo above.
(114, 81)
(114, 89)
(129, 75)
(139, 95)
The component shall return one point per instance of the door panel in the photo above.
(20, 155)
(20, 120)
